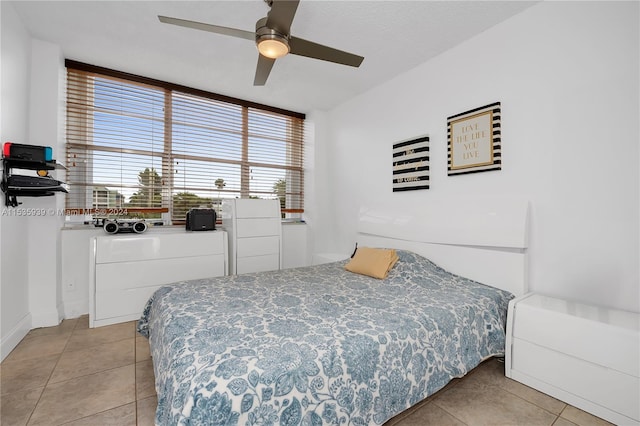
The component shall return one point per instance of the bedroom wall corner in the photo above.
(570, 129)
(15, 317)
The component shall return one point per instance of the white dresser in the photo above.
(126, 269)
(584, 355)
(255, 234)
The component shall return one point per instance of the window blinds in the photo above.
(142, 148)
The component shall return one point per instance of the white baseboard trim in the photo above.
(17, 333)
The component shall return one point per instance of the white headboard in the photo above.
(484, 239)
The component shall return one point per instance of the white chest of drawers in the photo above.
(126, 269)
(584, 355)
(255, 234)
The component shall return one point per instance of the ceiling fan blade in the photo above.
(281, 15)
(310, 49)
(249, 35)
(262, 70)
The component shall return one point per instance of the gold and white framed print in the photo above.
(474, 140)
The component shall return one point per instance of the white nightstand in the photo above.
(584, 355)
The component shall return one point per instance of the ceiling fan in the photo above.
(273, 39)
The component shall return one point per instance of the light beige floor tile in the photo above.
(93, 359)
(84, 396)
(147, 411)
(83, 322)
(15, 408)
(491, 373)
(582, 418)
(38, 347)
(66, 326)
(83, 338)
(142, 349)
(451, 384)
(30, 373)
(119, 416)
(397, 419)
(145, 379)
(429, 414)
(540, 399)
(479, 406)
(563, 422)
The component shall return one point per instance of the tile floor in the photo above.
(74, 375)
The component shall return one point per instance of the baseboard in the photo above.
(17, 333)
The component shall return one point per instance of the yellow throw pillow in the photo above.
(373, 262)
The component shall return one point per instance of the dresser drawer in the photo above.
(128, 275)
(609, 388)
(583, 331)
(252, 208)
(258, 263)
(133, 247)
(112, 304)
(258, 246)
(258, 227)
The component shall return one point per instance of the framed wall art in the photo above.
(474, 142)
(411, 164)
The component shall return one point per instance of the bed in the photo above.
(322, 345)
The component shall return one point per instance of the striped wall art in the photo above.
(474, 140)
(411, 164)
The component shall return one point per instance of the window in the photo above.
(141, 148)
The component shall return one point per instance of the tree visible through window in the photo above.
(141, 148)
(149, 193)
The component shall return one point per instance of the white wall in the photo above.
(46, 127)
(566, 74)
(32, 113)
(15, 318)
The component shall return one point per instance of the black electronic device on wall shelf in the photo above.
(28, 157)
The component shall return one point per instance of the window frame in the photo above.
(295, 141)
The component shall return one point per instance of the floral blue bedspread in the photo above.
(316, 345)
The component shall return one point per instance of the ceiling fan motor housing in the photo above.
(270, 42)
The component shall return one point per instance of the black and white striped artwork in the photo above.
(475, 143)
(411, 164)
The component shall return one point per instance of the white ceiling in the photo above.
(393, 36)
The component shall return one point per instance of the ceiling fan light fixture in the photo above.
(270, 42)
(272, 46)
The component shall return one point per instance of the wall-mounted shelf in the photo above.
(42, 185)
